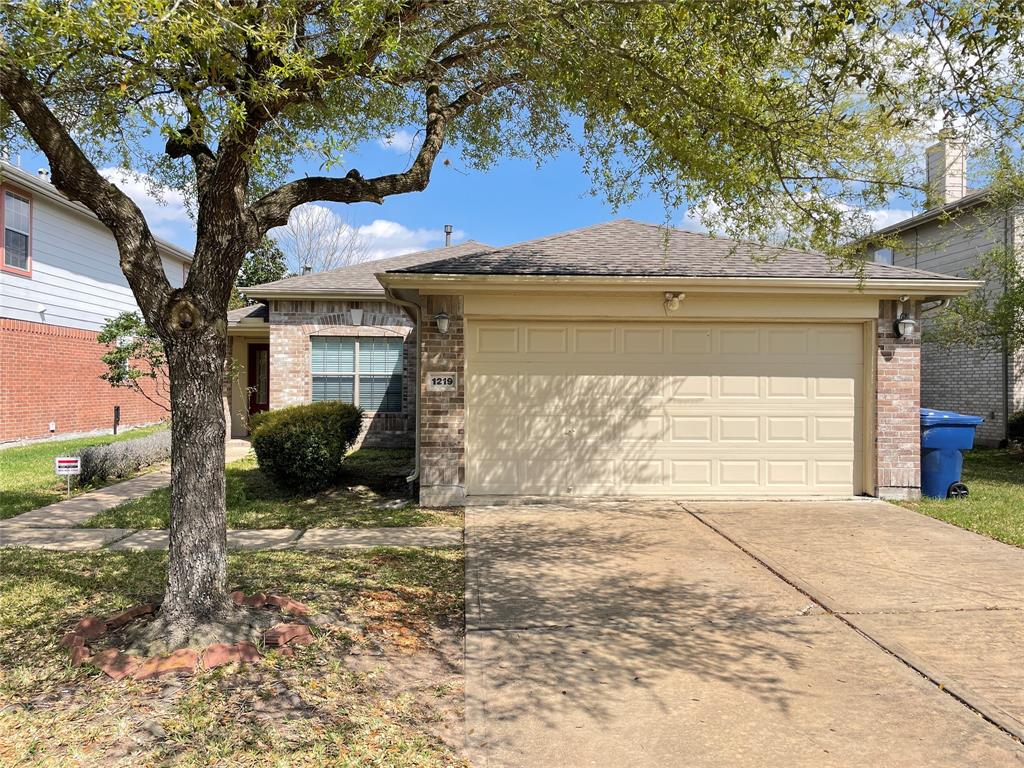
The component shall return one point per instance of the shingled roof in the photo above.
(631, 248)
(359, 278)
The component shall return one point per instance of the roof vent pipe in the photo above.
(307, 268)
(447, 235)
(44, 174)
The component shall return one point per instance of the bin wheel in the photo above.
(957, 491)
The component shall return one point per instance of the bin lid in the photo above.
(932, 418)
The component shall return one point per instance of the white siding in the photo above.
(76, 276)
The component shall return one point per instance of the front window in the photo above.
(883, 256)
(364, 371)
(17, 211)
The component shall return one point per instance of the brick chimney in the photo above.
(947, 172)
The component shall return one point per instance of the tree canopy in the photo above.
(779, 119)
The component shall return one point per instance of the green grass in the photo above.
(995, 506)
(27, 480)
(317, 708)
(370, 495)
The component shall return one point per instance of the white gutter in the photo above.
(939, 287)
(417, 312)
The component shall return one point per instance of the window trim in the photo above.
(357, 374)
(19, 192)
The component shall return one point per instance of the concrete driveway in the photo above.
(739, 634)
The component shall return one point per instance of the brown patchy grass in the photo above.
(381, 684)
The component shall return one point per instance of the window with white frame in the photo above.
(364, 370)
(17, 211)
(883, 256)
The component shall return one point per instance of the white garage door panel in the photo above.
(650, 409)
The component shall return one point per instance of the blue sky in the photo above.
(511, 202)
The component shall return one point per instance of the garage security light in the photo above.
(443, 322)
(673, 300)
(905, 325)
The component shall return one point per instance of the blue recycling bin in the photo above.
(945, 435)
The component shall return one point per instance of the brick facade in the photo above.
(443, 414)
(897, 418)
(969, 381)
(52, 373)
(292, 323)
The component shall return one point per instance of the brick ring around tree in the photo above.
(117, 664)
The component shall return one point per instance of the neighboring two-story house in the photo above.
(958, 226)
(60, 280)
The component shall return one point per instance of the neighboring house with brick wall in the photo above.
(959, 226)
(616, 360)
(60, 280)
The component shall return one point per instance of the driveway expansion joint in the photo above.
(960, 693)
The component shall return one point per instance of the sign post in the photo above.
(67, 466)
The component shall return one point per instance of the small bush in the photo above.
(1015, 427)
(117, 460)
(302, 447)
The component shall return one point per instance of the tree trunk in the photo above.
(196, 591)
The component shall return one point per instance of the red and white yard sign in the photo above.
(68, 465)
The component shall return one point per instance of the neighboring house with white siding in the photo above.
(60, 280)
(959, 226)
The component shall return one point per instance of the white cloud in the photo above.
(884, 217)
(163, 207)
(321, 236)
(383, 238)
(402, 142)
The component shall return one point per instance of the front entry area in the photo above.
(685, 409)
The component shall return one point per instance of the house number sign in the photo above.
(441, 382)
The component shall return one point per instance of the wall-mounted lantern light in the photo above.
(443, 322)
(673, 300)
(905, 325)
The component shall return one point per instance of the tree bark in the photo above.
(197, 558)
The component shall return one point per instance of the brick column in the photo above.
(897, 419)
(442, 414)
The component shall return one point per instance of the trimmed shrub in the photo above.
(1015, 427)
(302, 446)
(121, 459)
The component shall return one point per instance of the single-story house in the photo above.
(623, 359)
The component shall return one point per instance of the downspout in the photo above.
(416, 311)
(1009, 238)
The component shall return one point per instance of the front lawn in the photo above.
(372, 494)
(995, 506)
(380, 685)
(27, 480)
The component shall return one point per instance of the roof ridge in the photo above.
(559, 235)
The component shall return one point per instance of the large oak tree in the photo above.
(784, 118)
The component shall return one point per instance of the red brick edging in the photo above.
(118, 664)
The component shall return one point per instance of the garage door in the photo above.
(663, 409)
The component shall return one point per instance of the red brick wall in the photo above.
(442, 414)
(51, 373)
(897, 418)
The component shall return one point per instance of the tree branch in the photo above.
(273, 209)
(75, 175)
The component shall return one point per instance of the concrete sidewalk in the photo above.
(82, 539)
(79, 509)
(632, 634)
